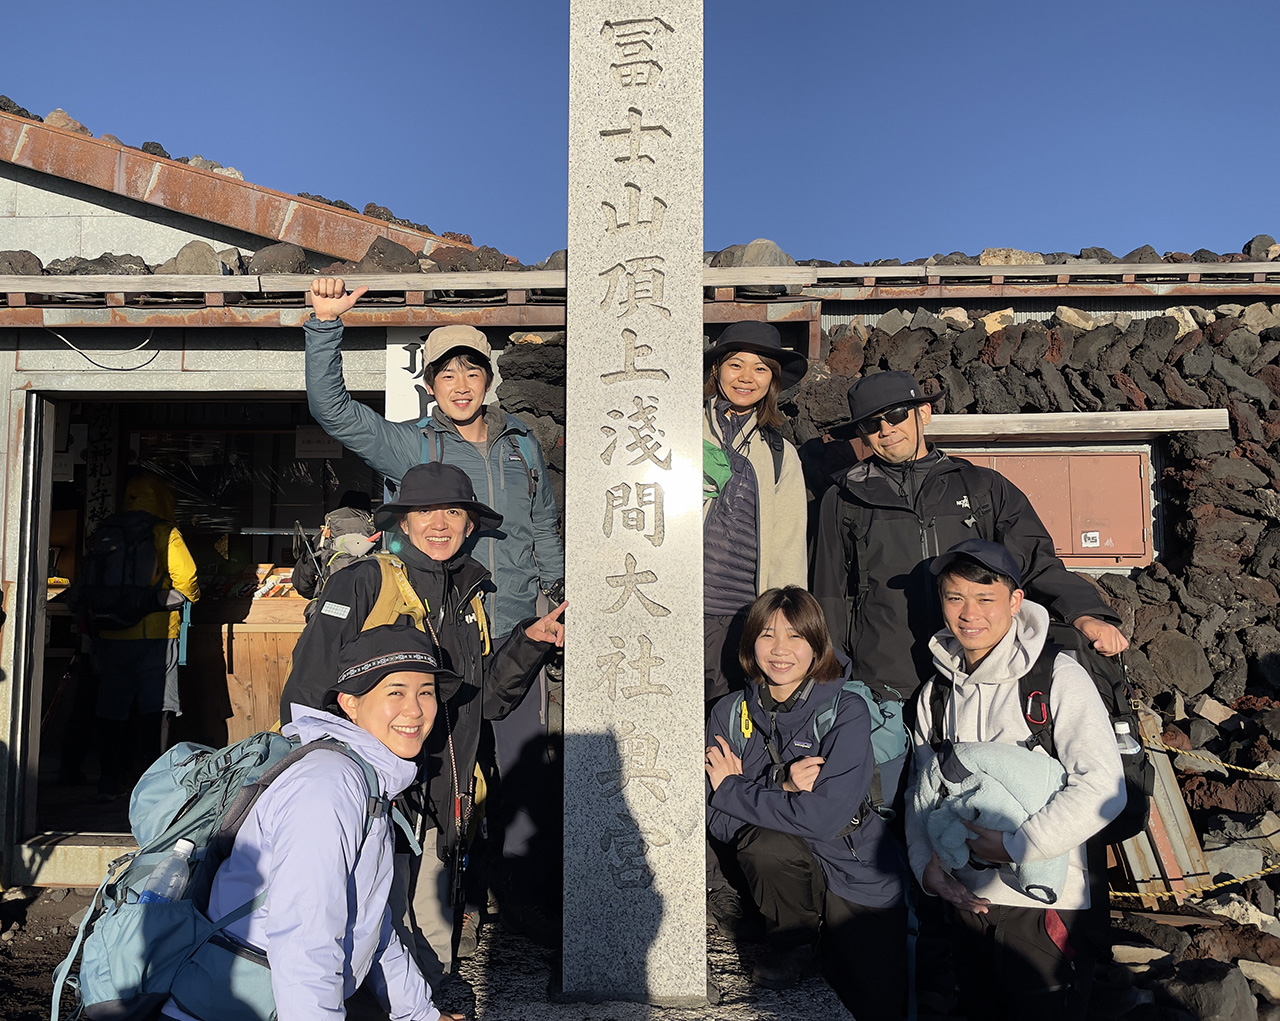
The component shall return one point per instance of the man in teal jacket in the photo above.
(505, 464)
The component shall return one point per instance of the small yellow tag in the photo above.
(746, 720)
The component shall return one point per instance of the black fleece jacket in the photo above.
(486, 687)
(913, 513)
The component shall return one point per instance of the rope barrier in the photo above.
(1224, 766)
(1199, 891)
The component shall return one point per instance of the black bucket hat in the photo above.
(992, 555)
(391, 648)
(761, 339)
(883, 390)
(434, 484)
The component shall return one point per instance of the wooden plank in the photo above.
(489, 281)
(1076, 425)
(736, 276)
(239, 690)
(746, 276)
(133, 284)
(268, 682)
(1075, 269)
(1173, 810)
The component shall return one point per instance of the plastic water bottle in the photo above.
(168, 880)
(1125, 741)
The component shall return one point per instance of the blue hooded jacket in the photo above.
(527, 551)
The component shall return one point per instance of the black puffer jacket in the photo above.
(911, 514)
(489, 687)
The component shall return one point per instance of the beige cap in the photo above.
(444, 339)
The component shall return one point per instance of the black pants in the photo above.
(722, 671)
(865, 948)
(1023, 963)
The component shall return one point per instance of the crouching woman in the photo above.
(324, 923)
(788, 792)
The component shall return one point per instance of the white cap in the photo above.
(1122, 727)
(184, 848)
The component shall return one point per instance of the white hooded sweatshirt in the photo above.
(985, 706)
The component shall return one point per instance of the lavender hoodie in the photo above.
(325, 924)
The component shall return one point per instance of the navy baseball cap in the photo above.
(991, 555)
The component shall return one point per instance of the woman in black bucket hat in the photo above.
(753, 489)
(425, 576)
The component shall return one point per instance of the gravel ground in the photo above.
(507, 980)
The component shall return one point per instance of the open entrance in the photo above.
(250, 481)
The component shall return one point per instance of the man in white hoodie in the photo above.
(1016, 956)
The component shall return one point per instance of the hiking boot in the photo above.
(782, 969)
(469, 940)
(724, 911)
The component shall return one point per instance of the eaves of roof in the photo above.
(203, 194)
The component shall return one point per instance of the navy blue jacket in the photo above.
(865, 866)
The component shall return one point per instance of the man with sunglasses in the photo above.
(887, 517)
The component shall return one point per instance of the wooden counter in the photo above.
(236, 671)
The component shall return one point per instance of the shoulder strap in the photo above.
(396, 596)
(775, 441)
(517, 440)
(428, 450)
(482, 623)
(740, 725)
(855, 519)
(977, 484)
(939, 696)
(1034, 688)
(823, 721)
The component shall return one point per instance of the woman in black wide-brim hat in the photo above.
(753, 489)
(426, 529)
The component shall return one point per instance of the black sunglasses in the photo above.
(893, 416)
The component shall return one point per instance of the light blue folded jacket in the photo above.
(998, 786)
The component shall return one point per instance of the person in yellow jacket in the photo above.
(137, 667)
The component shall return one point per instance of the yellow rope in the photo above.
(1164, 746)
(1199, 891)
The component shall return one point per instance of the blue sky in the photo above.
(841, 130)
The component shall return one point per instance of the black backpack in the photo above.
(1112, 681)
(120, 581)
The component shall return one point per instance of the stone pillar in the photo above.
(634, 901)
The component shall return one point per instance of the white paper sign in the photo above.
(313, 442)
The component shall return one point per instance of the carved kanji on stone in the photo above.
(610, 665)
(645, 442)
(634, 283)
(652, 226)
(636, 132)
(647, 510)
(629, 582)
(638, 761)
(630, 352)
(632, 41)
(625, 847)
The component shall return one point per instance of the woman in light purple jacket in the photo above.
(324, 925)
